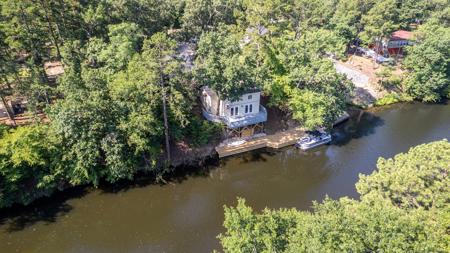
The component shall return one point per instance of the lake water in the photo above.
(186, 215)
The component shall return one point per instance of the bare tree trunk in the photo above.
(50, 28)
(47, 98)
(166, 124)
(216, 110)
(8, 111)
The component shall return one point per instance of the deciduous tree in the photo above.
(428, 64)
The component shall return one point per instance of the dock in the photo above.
(276, 141)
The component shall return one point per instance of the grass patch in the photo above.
(392, 98)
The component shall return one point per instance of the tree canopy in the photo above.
(125, 98)
(428, 62)
(404, 207)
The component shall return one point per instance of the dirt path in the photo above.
(365, 92)
(363, 73)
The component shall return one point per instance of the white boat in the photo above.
(313, 139)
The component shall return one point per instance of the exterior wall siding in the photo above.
(223, 115)
(225, 107)
(398, 43)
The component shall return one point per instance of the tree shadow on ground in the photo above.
(363, 96)
(47, 210)
(360, 125)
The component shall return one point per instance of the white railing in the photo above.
(243, 120)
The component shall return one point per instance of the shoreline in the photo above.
(199, 163)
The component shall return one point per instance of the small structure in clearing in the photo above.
(53, 69)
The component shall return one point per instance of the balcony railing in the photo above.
(239, 121)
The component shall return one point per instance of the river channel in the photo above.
(186, 215)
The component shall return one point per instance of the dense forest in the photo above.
(404, 206)
(125, 96)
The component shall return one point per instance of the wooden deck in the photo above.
(277, 140)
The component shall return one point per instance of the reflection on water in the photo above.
(360, 125)
(186, 214)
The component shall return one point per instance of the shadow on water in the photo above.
(183, 173)
(360, 125)
(176, 176)
(259, 155)
(47, 210)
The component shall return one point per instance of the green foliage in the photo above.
(388, 99)
(379, 21)
(265, 232)
(206, 15)
(419, 10)
(124, 93)
(404, 207)
(86, 122)
(25, 27)
(200, 131)
(222, 66)
(308, 84)
(135, 92)
(352, 226)
(387, 79)
(110, 128)
(417, 179)
(28, 167)
(152, 15)
(3, 130)
(428, 63)
(292, 71)
(123, 43)
(392, 98)
(113, 56)
(346, 20)
(313, 109)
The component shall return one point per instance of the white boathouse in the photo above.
(242, 118)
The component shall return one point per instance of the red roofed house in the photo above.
(394, 44)
(397, 41)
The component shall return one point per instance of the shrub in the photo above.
(200, 132)
(392, 98)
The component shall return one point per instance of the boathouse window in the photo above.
(249, 97)
(234, 111)
(251, 108)
(246, 108)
